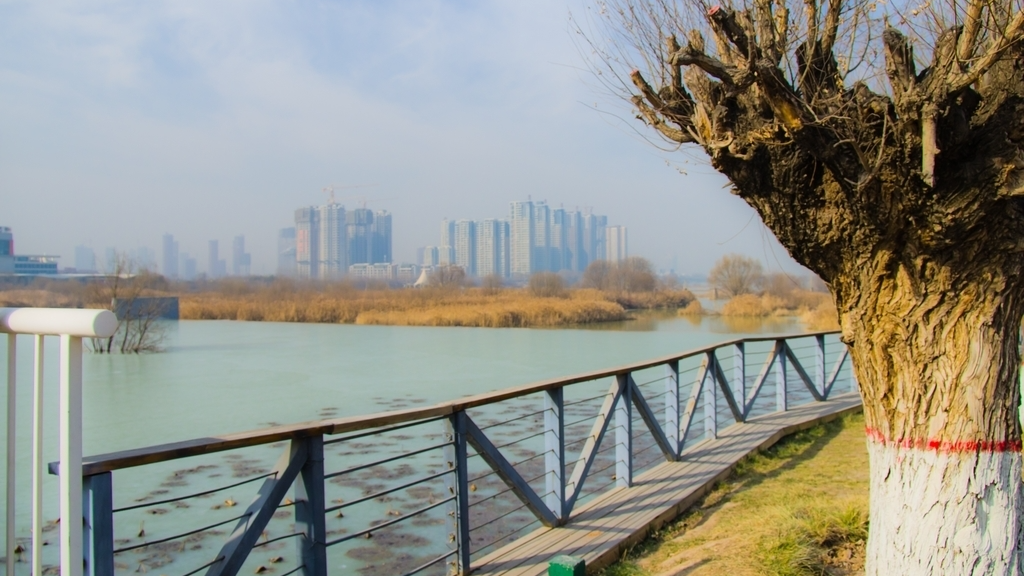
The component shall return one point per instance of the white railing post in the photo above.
(12, 394)
(71, 325)
(37, 460)
(71, 455)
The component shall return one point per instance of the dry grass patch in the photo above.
(796, 509)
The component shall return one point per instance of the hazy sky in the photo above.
(120, 121)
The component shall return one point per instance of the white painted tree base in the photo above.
(936, 511)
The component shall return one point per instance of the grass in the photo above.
(796, 509)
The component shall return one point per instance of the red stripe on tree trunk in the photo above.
(946, 446)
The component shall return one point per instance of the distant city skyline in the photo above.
(122, 124)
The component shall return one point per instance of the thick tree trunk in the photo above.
(935, 352)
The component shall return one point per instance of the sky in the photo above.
(123, 121)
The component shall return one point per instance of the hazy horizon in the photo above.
(127, 121)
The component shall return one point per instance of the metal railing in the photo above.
(432, 489)
(70, 326)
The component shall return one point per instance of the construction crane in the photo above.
(329, 190)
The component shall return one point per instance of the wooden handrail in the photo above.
(101, 463)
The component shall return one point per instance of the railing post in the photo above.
(739, 374)
(38, 465)
(672, 405)
(456, 457)
(624, 433)
(309, 509)
(780, 376)
(710, 391)
(819, 364)
(70, 455)
(554, 452)
(98, 536)
(12, 394)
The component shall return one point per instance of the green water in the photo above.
(219, 377)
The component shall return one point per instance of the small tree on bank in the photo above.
(139, 327)
(893, 168)
(736, 274)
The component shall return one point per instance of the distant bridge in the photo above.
(497, 483)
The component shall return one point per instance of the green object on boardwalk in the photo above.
(567, 566)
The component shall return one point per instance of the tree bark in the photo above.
(934, 346)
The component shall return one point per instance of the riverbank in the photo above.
(798, 508)
(506, 308)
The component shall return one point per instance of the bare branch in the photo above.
(828, 37)
(652, 118)
(730, 75)
(1011, 36)
(899, 65)
(972, 24)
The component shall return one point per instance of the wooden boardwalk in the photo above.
(605, 527)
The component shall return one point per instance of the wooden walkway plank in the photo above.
(604, 527)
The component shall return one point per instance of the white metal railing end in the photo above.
(82, 323)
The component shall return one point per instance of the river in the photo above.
(217, 377)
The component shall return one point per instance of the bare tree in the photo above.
(882, 144)
(138, 317)
(634, 274)
(448, 276)
(491, 284)
(736, 274)
(546, 285)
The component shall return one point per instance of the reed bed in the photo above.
(505, 309)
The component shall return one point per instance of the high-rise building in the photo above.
(333, 245)
(241, 261)
(186, 266)
(286, 252)
(521, 238)
(216, 268)
(170, 260)
(595, 237)
(541, 237)
(559, 239)
(617, 246)
(6, 250)
(430, 256)
(109, 260)
(307, 242)
(359, 235)
(380, 249)
(492, 248)
(465, 246)
(85, 259)
(574, 255)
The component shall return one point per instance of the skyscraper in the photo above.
(170, 260)
(359, 235)
(85, 259)
(492, 248)
(380, 251)
(216, 268)
(307, 242)
(240, 259)
(332, 245)
(286, 252)
(541, 237)
(465, 246)
(618, 249)
(521, 238)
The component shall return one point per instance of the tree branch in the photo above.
(899, 65)
(725, 20)
(766, 39)
(972, 24)
(652, 118)
(730, 75)
(828, 38)
(1013, 34)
